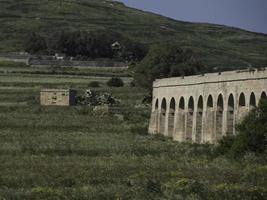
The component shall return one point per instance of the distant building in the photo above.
(60, 56)
(57, 97)
(116, 46)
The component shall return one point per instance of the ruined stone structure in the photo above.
(204, 108)
(57, 97)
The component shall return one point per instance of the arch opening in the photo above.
(182, 104)
(157, 105)
(171, 117)
(242, 100)
(220, 103)
(252, 101)
(172, 105)
(190, 116)
(230, 115)
(163, 116)
(199, 119)
(263, 96)
(210, 102)
(163, 106)
(219, 117)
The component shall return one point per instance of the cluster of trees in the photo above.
(86, 45)
(166, 60)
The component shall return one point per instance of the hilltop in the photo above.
(214, 45)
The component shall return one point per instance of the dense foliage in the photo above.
(252, 134)
(166, 60)
(86, 45)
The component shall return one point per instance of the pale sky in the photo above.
(246, 14)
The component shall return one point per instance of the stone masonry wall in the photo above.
(57, 97)
(204, 108)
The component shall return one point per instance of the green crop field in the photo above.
(77, 153)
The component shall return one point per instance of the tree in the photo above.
(115, 82)
(165, 60)
(35, 44)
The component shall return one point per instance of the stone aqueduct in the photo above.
(204, 108)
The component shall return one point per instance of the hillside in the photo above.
(215, 45)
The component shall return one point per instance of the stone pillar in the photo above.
(153, 123)
(209, 126)
(166, 126)
(229, 122)
(213, 131)
(162, 122)
(199, 115)
(171, 123)
(180, 123)
(224, 124)
(190, 126)
(158, 121)
(219, 125)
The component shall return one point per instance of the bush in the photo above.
(115, 82)
(185, 189)
(94, 84)
(133, 84)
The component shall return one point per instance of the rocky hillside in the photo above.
(215, 45)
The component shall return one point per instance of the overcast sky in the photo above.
(247, 14)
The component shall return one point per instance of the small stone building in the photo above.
(57, 97)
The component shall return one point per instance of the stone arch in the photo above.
(242, 100)
(219, 116)
(199, 118)
(180, 126)
(156, 105)
(171, 117)
(210, 102)
(162, 117)
(263, 95)
(230, 115)
(242, 107)
(190, 117)
(252, 100)
(182, 103)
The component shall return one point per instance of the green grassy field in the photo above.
(76, 153)
(214, 45)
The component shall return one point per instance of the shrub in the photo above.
(225, 144)
(94, 84)
(115, 82)
(133, 84)
(185, 189)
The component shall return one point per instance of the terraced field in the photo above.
(77, 153)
